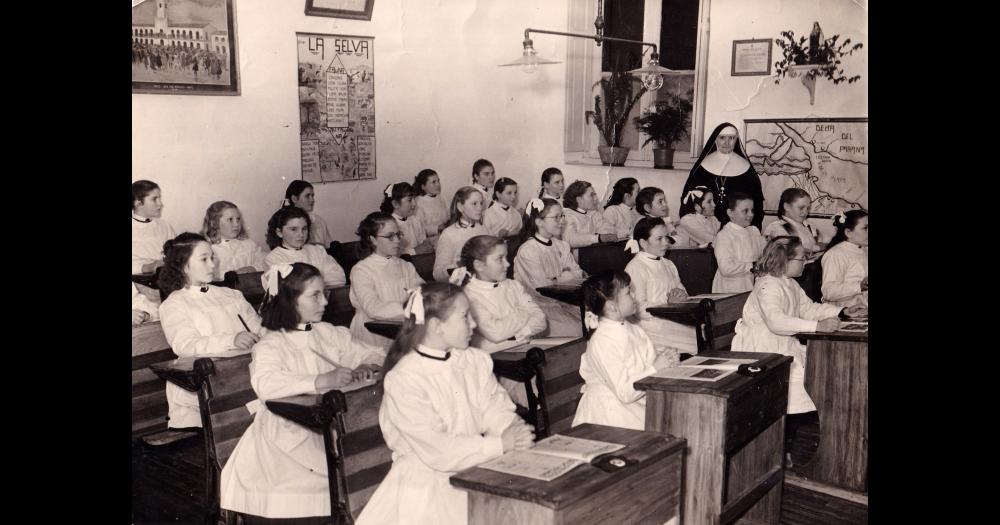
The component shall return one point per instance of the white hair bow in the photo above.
(632, 246)
(535, 204)
(388, 190)
(693, 194)
(842, 217)
(269, 279)
(458, 275)
(415, 306)
(590, 320)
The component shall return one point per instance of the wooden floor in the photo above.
(168, 486)
(168, 482)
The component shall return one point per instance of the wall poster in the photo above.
(336, 107)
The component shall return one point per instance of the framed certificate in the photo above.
(751, 57)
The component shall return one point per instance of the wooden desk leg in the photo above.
(837, 382)
(699, 419)
(757, 468)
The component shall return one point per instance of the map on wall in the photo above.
(336, 107)
(828, 158)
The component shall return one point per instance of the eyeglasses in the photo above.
(396, 235)
(557, 217)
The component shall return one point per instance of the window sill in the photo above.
(645, 165)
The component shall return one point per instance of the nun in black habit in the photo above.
(725, 168)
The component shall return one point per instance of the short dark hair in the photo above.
(399, 191)
(369, 227)
(645, 198)
(620, 189)
(478, 166)
(295, 188)
(644, 228)
(734, 199)
(688, 204)
(421, 179)
(280, 312)
(278, 221)
(141, 189)
(603, 287)
(573, 192)
(501, 184)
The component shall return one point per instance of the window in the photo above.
(680, 30)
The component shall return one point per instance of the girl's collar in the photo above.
(462, 224)
(197, 288)
(431, 353)
(650, 256)
(139, 218)
(546, 243)
(303, 327)
(398, 218)
(578, 210)
(479, 283)
(287, 247)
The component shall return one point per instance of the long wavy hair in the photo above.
(280, 219)
(281, 312)
(176, 253)
(852, 216)
(210, 226)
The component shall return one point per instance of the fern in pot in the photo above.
(667, 122)
(613, 116)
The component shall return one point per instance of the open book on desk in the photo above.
(551, 457)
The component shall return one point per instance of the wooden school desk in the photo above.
(149, 398)
(837, 382)
(735, 438)
(714, 318)
(567, 293)
(646, 492)
(357, 458)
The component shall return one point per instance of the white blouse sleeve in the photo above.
(611, 360)
(528, 268)
(571, 234)
(771, 299)
(725, 254)
(333, 274)
(409, 409)
(271, 378)
(812, 310)
(570, 268)
(364, 295)
(835, 288)
(444, 256)
(184, 339)
(639, 285)
(353, 353)
(536, 317)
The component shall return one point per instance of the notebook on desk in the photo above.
(551, 457)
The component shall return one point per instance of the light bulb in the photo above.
(652, 81)
(529, 68)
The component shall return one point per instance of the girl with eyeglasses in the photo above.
(544, 259)
(777, 309)
(380, 281)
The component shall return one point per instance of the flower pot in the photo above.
(663, 158)
(612, 156)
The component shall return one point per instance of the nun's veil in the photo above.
(710, 145)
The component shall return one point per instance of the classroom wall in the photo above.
(733, 99)
(441, 102)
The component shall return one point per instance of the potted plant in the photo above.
(610, 118)
(819, 58)
(664, 124)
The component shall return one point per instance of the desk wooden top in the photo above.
(835, 336)
(148, 338)
(732, 385)
(584, 480)
(567, 293)
(385, 327)
(181, 371)
(308, 410)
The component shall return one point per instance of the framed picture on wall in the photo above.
(184, 47)
(751, 57)
(355, 9)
